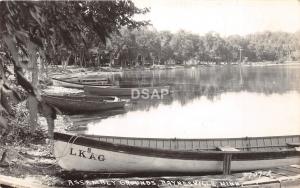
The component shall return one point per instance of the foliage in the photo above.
(54, 30)
(19, 130)
(184, 46)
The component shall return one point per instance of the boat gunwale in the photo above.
(185, 139)
(126, 88)
(80, 83)
(85, 101)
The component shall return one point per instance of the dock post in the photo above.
(227, 163)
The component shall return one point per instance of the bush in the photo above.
(19, 129)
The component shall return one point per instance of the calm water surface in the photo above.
(208, 102)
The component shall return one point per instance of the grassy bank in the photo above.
(27, 153)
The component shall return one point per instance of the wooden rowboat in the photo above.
(151, 155)
(88, 80)
(79, 83)
(114, 91)
(83, 104)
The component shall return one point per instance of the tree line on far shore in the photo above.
(149, 46)
(153, 47)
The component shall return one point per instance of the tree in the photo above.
(47, 27)
(184, 45)
(166, 50)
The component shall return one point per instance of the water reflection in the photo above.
(231, 115)
(227, 101)
(191, 83)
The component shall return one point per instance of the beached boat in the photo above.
(80, 83)
(89, 80)
(114, 91)
(147, 155)
(83, 104)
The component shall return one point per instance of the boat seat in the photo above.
(227, 148)
(293, 144)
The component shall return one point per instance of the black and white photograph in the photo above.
(150, 93)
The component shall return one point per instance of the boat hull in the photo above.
(75, 105)
(79, 155)
(78, 85)
(125, 91)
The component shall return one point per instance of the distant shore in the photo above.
(102, 71)
(271, 63)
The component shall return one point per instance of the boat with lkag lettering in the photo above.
(146, 155)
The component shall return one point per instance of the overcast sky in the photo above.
(226, 17)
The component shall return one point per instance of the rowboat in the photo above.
(114, 91)
(83, 104)
(89, 80)
(162, 155)
(79, 83)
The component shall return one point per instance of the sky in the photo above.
(227, 17)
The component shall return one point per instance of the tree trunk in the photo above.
(81, 58)
(32, 102)
(2, 72)
(50, 122)
(3, 162)
(42, 67)
(66, 63)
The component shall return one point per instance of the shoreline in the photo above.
(104, 71)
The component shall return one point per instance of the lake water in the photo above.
(210, 102)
